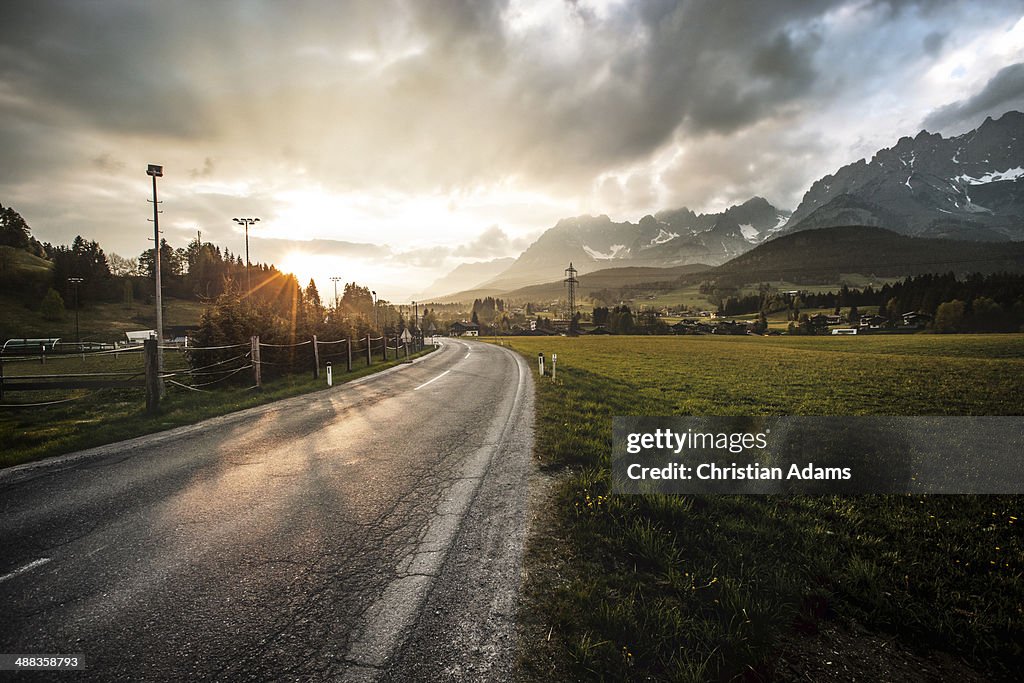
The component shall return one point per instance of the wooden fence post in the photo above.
(316, 359)
(384, 346)
(152, 376)
(256, 362)
(348, 343)
(369, 352)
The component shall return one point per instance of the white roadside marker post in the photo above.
(330, 376)
(554, 361)
(540, 363)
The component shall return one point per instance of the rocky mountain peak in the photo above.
(965, 187)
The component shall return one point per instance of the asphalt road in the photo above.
(373, 531)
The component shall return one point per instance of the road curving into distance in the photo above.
(373, 531)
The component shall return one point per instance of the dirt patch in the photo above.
(841, 654)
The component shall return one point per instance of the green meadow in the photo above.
(688, 588)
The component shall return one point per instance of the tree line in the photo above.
(276, 307)
(977, 302)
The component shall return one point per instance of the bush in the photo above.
(949, 316)
(52, 306)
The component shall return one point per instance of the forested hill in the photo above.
(198, 271)
(208, 285)
(38, 282)
(823, 255)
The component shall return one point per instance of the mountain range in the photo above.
(966, 187)
(667, 239)
(969, 187)
(463, 277)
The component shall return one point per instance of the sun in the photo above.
(305, 266)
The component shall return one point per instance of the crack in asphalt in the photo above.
(395, 611)
(219, 566)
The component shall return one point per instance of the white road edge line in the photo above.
(432, 380)
(387, 621)
(31, 565)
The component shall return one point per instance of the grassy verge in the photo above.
(713, 587)
(110, 415)
(105, 322)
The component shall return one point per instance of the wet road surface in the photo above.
(373, 531)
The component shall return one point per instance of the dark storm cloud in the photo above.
(933, 42)
(450, 84)
(381, 100)
(1003, 91)
(697, 67)
(108, 62)
(29, 148)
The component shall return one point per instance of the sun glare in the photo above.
(306, 266)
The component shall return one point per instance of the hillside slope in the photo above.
(822, 255)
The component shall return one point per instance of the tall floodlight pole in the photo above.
(571, 282)
(246, 222)
(78, 336)
(155, 172)
(335, 279)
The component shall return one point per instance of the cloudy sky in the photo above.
(387, 141)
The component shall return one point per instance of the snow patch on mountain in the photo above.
(750, 233)
(992, 177)
(616, 252)
(663, 236)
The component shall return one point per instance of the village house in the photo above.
(465, 329)
(917, 319)
(872, 322)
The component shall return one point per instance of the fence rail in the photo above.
(204, 369)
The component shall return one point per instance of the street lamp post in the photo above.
(335, 279)
(155, 172)
(375, 323)
(246, 222)
(78, 336)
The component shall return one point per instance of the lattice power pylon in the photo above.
(570, 283)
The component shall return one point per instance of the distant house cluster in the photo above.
(840, 325)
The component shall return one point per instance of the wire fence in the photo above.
(59, 378)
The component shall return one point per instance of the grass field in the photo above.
(106, 322)
(103, 416)
(851, 280)
(688, 297)
(691, 297)
(720, 587)
(18, 261)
